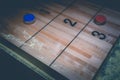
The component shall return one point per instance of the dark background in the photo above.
(114, 4)
(11, 69)
(8, 7)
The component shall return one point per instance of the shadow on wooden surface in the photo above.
(11, 69)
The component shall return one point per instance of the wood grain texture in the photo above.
(51, 41)
(86, 53)
(82, 58)
(17, 32)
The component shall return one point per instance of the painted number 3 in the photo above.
(70, 22)
(99, 35)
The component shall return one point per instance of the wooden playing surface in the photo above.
(68, 48)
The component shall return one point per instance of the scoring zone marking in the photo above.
(85, 54)
(70, 22)
(67, 21)
(57, 36)
(45, 11)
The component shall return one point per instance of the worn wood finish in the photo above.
(79, 59)
(51, 41)
(86, 53)
(17, 32)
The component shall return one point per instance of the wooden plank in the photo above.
(15, 31)
(84, 56)
(43, 70)
(50, 42)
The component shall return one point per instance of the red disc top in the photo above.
(100, 19)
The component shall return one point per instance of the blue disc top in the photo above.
(29, 18)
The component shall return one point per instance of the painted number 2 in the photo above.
(70, 22)
(99, 35)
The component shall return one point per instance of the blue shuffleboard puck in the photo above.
(28, 18)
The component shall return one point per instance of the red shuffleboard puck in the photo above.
(100, 20)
